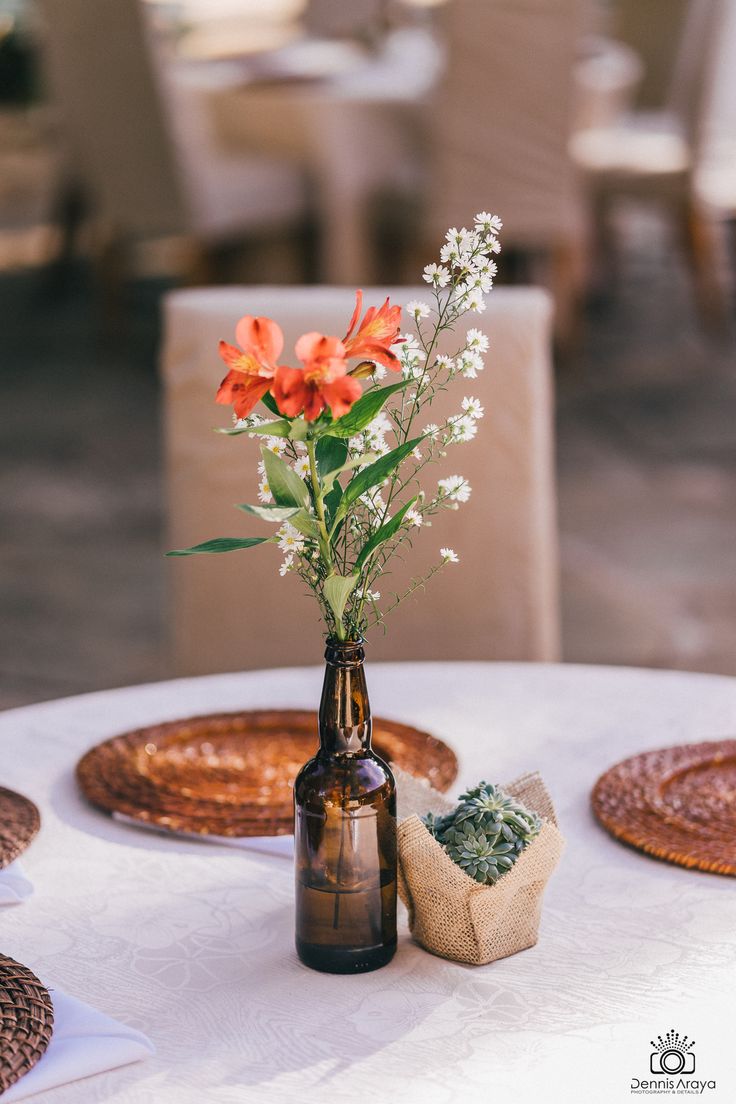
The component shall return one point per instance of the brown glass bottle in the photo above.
(345, 831)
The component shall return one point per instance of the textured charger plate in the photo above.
(677, 804)
(26, 1021)
(231, 774)
(19, 823)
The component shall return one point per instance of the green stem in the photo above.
(319, 507)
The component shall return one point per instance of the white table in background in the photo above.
(192, 943)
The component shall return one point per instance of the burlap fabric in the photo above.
(454, 916)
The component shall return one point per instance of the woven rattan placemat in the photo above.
(231, 774)
(677, 804)
(26, 1021)
(19, 823)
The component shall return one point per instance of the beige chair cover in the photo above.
(233, 611)
(503, 119)
(139, 140)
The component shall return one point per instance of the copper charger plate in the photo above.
(677, 804)
(19, 822)
(231, 774)
(26, 1021)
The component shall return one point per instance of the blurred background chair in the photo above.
(652, 152)
(233, 611)
(501, 126)
(138, 145)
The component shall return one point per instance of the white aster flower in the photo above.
(471, 362)
(455, 487)
(417, 309)
(446, 362)
(431, 429)
(493, 245)
(290, 539)
(380, 372)
(450, 254)
(301, 467)
(286, 565)
(477, 340)
(413, 517)
(472, 407)
(462, 428)
(449, 556)
(264, 491)
(474, 301)
(437, 275)
(276, 445)
(488, 224)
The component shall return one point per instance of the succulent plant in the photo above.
(486, 832)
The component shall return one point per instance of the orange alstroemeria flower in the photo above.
(375, 334)
(252, 366)
(322, 382)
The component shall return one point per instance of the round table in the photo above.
(191, 942)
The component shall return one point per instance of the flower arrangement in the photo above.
(486, 832)
(341, 462)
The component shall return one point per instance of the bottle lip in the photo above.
(344, 651)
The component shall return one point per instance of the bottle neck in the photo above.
(344, 712)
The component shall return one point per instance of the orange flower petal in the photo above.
(261, 337)
(341, 394)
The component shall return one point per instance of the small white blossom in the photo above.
(286, 565)
(449, 556)
(418, 309)
(301, 467)
(446, 362)
(264, 491)
(290, 539)
(437, 275)
(413, 517)
(276, 445)
(472, 407)
(431, 429)
(488, 224)
(474, 300)
(462, 428)
(471, 362)
(477, 340)
(450, 254)
(380, 372)
(455, 487)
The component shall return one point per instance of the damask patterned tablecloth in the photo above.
(192, 942)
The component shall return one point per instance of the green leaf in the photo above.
(270, 403)
(221, 544)
(330, 453)
(269, 512)
(337, 589)
(364, 410)
(287, 488)
(387, 530)
(358, 462)
(376, 473)
(305, 523)
(332, 502)
(282, 428)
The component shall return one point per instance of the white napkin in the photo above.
(84, 1042)
(14, 886)
(267, 845)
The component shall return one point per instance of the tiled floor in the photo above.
(647, 479)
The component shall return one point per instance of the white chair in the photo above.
(140, 142)
(652, 154)
(502, 122)
(233, 611)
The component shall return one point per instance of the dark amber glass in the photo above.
(345, 831)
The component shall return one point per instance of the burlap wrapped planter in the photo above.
(452, 915)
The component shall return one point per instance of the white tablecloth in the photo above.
(192, 943)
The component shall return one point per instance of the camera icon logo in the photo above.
(672, 1054)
